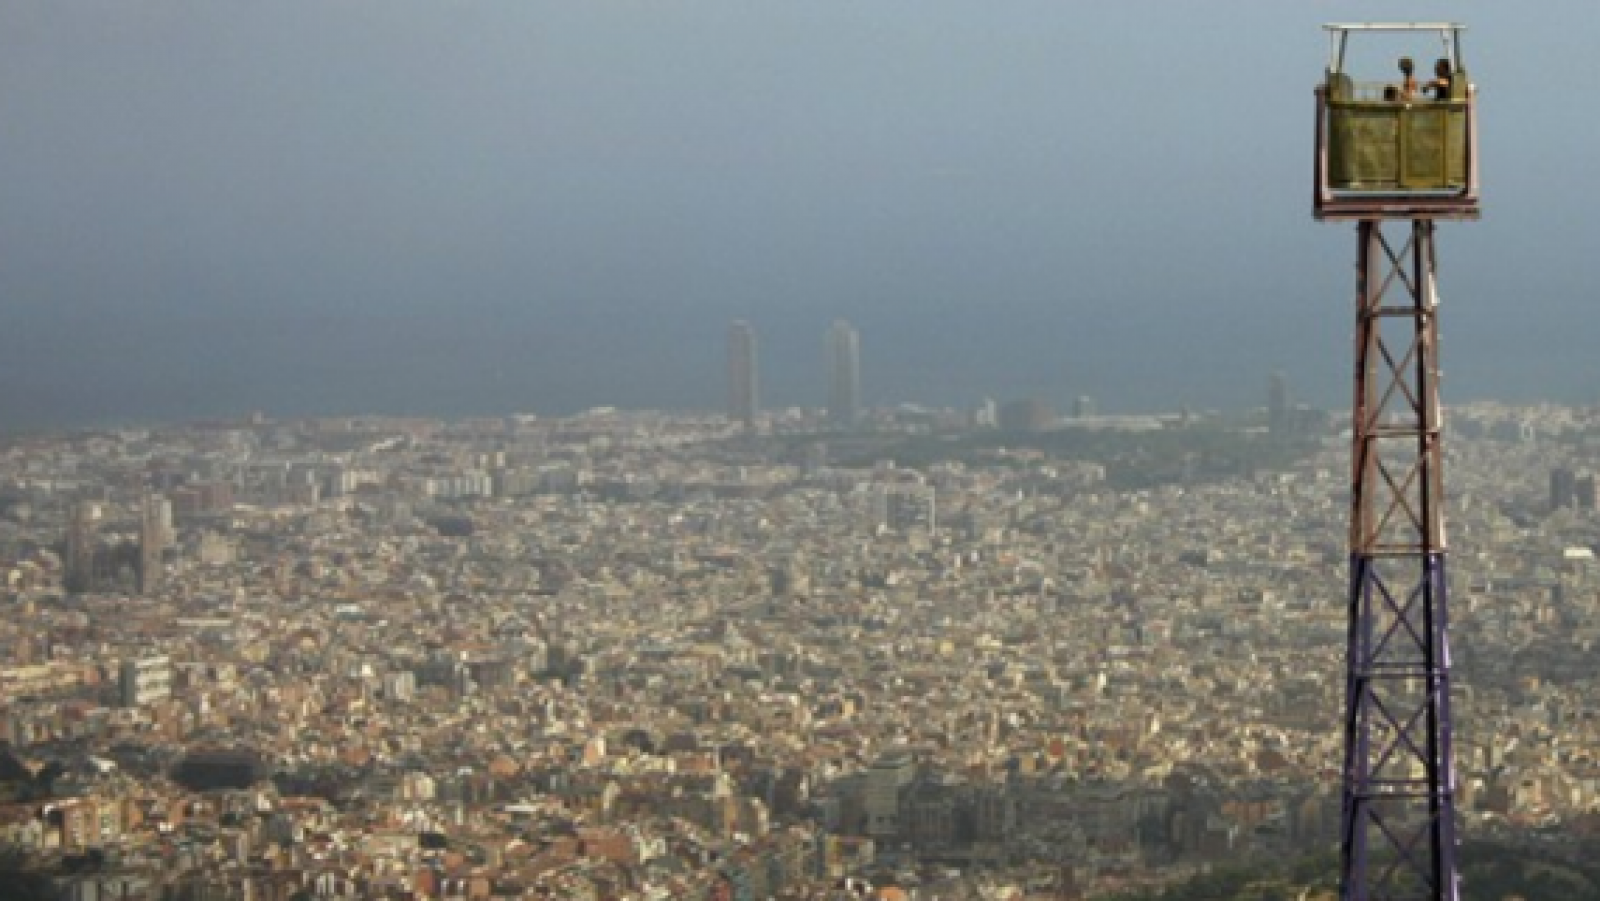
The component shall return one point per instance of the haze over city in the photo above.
(454, 209)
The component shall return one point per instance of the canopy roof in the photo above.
(1339, 35)
(1395, 26)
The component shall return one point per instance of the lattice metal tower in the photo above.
(1383, 157)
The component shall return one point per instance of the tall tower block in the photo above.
(844, 373)
(154, 517)
(83, 536)
(1395, 165)
(1277, 404)
(744, 375)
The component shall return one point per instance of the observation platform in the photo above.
(1386, 152)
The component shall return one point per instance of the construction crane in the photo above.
(1396, 157)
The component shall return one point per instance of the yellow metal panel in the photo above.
(1363, 146)
(1388, 146)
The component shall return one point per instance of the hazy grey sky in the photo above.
(456, 207)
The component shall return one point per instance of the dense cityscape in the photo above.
(842, 652)
(796, 452)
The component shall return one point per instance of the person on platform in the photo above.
(1439, 87)
(1408, 79)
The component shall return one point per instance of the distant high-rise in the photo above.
(1278, 403)
(844, 373)
(154, 523)
(1572, 489)
(78, 573)
(744, 375)
(1563, 487)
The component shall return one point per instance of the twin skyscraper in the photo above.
(843, 360)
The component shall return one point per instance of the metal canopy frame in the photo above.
(1339, 36)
